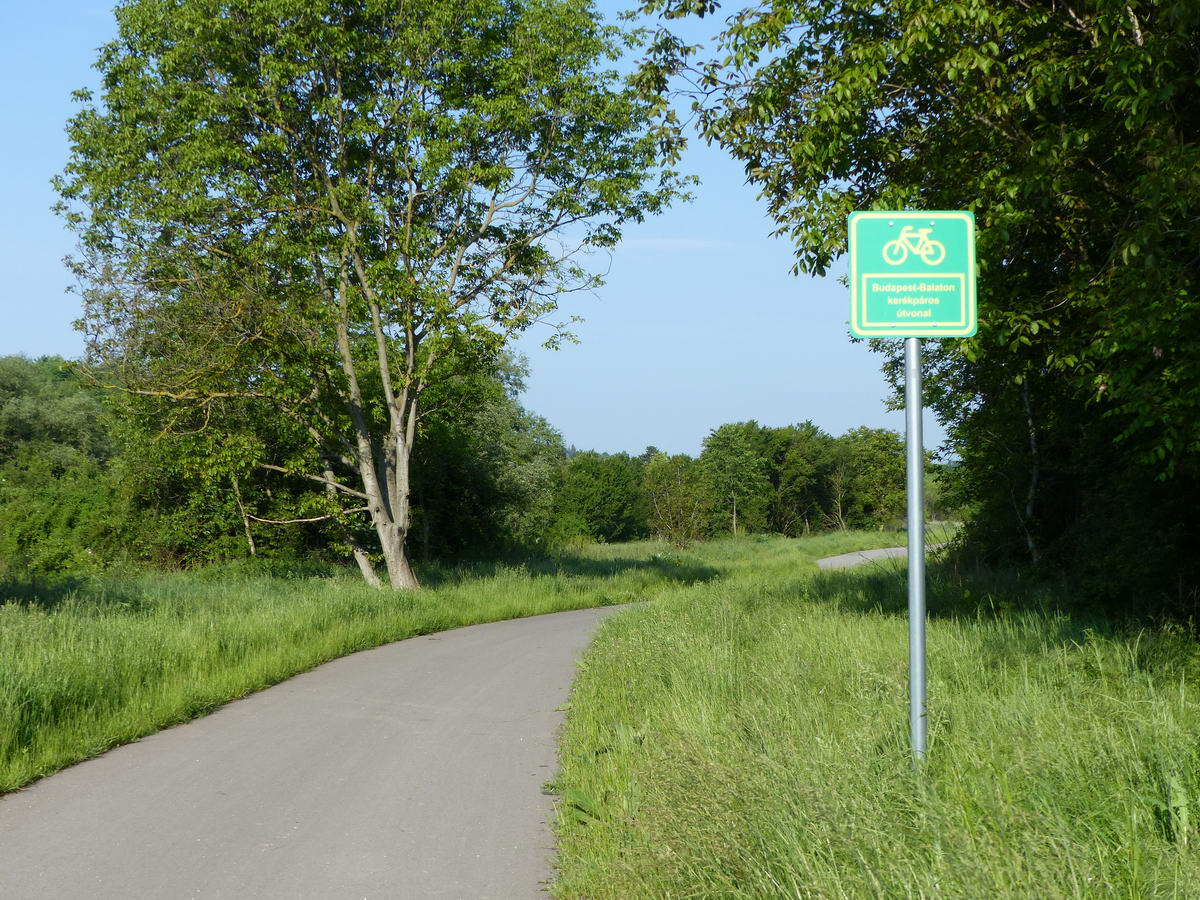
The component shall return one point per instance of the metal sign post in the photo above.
(912, 275)
(918, 719)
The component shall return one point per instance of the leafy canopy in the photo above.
(1072, 130)
(322, 209)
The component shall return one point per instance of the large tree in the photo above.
(1072, 129)
(799, 461)
(323, 207)
(676, 498)
(601, 493)
(735, 473)
(871, 462)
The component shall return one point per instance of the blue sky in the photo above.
(699, 322)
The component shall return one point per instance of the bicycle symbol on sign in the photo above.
(914, 240)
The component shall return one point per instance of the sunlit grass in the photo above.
(88, 664)
(749, 739)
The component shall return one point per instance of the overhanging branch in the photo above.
(337, 485)
(324, 518)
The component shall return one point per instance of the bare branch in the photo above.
(1137, 28)
(337, 485)
(324, 518)
(1082, 26)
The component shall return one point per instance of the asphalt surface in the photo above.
(410, 771)
(858, 557)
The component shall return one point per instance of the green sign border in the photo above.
(964, 325)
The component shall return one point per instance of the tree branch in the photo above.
(335, 515)
(317, 478)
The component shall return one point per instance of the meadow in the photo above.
(744, 735)
(90, 663)
(749, 739)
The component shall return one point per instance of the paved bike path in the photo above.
(409, 771)
(858, 557)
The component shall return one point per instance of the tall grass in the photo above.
(748, 739)
(89, 664)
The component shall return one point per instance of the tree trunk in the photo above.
(837, 499)
(356, 548)
(385, 480)
(237, 494)
(392, 538)
(1034, 467)
(364, 563)
(382, 466)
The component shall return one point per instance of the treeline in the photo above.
(89, 480)
(748, 478)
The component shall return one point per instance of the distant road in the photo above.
(410, 771)
(858, 557)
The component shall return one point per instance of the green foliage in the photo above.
(1071, 132)
(602, 493)
(42, 405)
(674, 489)
(87, 485)
(940, 497)
(318, 212)
(735, 474)
(800, 462)
(872, 462)
(62, 507)
(62, 518)
(485, 471)
(488, 478)
(792, 480)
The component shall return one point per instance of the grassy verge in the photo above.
(748, 739)
(87, 665)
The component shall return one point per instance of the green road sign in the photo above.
(912, 274)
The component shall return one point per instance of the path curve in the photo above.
(410, 771)
(858, 557)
